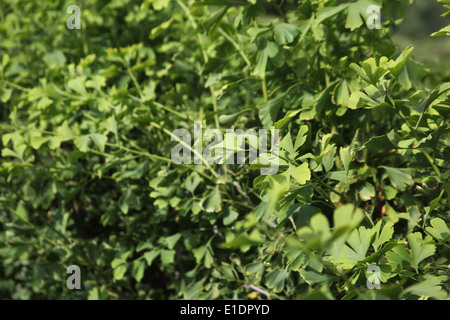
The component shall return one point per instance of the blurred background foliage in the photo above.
(422, 18)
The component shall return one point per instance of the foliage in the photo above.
(446, 30)
(86, 175)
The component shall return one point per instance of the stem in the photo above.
(180, 115)
(343, 196)
(11, 84)
(264, 88)
(215, 109)
(133, 78)
(231, 40)
(53, 243)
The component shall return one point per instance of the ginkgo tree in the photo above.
(86, 176)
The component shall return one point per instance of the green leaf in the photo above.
(400, 178)
(138, 270)
(129, 200)
(384, 235)
(443, 32)
(77, 84)
(213, 21)
(301, 136)
(213, 203)
(289, 115)
(428, 288)
(55, 59)
(278, 187)
(366, 191)
(347, 215)
(268, 111)
(369, 71)
(82, 143)
(420, 249)
(151, 255)
(322, 293)
(320, 226)
(353, 17)
(265, 50)
(244, 239)
(342, 94)
(357, 11)
(301, 173)
(6, 95)
(359, 100)
(287, 145)
(38, 141)
(328, 12)
(64, 133)
(439, 229)
(384, 142)
(167, 256)
(346, 157)
(119, 272)
(398, 258)
(285, 33)
(433, 204)
(313, 278)
(276, 279)
(99, 140)
(172, 240)
(199, 253)
(358, 244)
(230, 217)
(395, 67)
(5, 61)
(158, 5)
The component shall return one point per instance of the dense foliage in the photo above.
(86, 176)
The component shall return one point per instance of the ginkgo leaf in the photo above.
(82, 143)
(167, 256)
(357, 12)
(38, 141)
(138, 270)
(313, 278)
(438, 229)
(276, 279)
(420, 249)
(400, 178)
(359, 242)
(382, 235)
(213, 203)
(99, 140)
(265, 50)
(151, 255)
(285, 33)
(287, 144)
(129, 200)
(268, 111)
(431, 287)
(301, 173)
(395, 67)
(278, 187)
